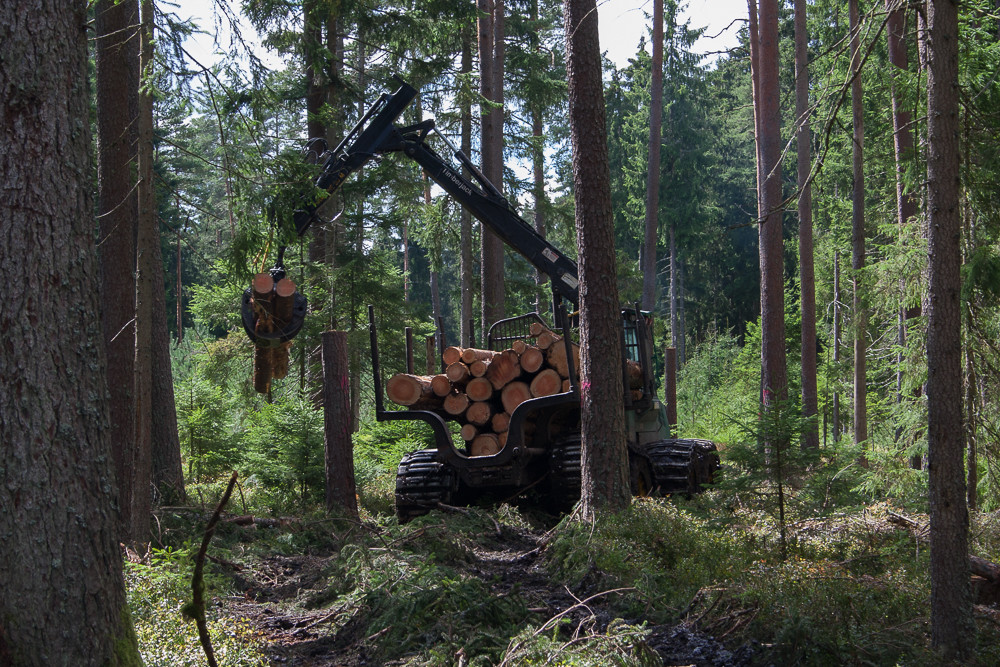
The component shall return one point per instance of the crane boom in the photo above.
(377, 134)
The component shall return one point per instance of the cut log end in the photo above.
(410, 390)
(263, 284)
(485, 444)
(513, 395)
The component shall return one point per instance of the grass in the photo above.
(854, 588)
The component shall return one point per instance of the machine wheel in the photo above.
(421, 483)
(679, 465)
(565, 472)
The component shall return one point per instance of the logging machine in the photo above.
(539, 457)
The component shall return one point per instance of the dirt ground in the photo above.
(512, 557)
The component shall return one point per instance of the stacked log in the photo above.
(480, 389)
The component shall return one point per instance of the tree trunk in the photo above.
(117, 55)
(465, 218)
(605, 481)
(166, 467)
(807, 288)
(341, 490)
(538, 189)
(136, 499)
(774, 381)
(953, 631)
(491, 63)
(63, 600)
(906, 203)
(860, 305)
(653, 165)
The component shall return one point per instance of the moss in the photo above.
(125, 651)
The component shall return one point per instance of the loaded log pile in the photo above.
(481, 388)
(272, 303)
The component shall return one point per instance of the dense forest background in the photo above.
(776, 207)
(230, 172)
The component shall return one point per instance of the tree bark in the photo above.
(774, 379)
(605, 481)
(136, 498)
(167, 468)
(63, 600)
(860, 305)
(341, 490)
(953, 631)
(117, 55)
(653, 165)
(465, 266)
(807, 287)
(491, 63)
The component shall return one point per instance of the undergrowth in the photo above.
(157, 591)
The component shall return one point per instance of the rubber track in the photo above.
(421, 483)
(681, 465)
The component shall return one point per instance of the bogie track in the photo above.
(422, 482)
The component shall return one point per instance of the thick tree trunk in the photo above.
(341, 490)
(167, 469)
(807, 287)
(604, 459)
(491, 62)
(774, 380)
(63, 600)
(860, 305)
(117, 55)
(653, 166)
(136, 498)
(465, 218)
(953, 630)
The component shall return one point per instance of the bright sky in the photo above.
(622, 23)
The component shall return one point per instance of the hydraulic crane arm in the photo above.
(376, 134)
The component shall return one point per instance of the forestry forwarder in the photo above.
(542, 448)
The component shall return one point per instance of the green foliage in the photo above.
(712, 385)
(157, 592)
(816, 615)
(661, 550)
(411, 600)
(283, 443)
(378, 448)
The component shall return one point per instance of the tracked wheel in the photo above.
(678, 465)
(421, 483)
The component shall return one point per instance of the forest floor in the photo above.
(276, 593)
(670, 581)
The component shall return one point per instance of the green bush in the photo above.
(661, 550)
(157, 591)
(284, 451)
